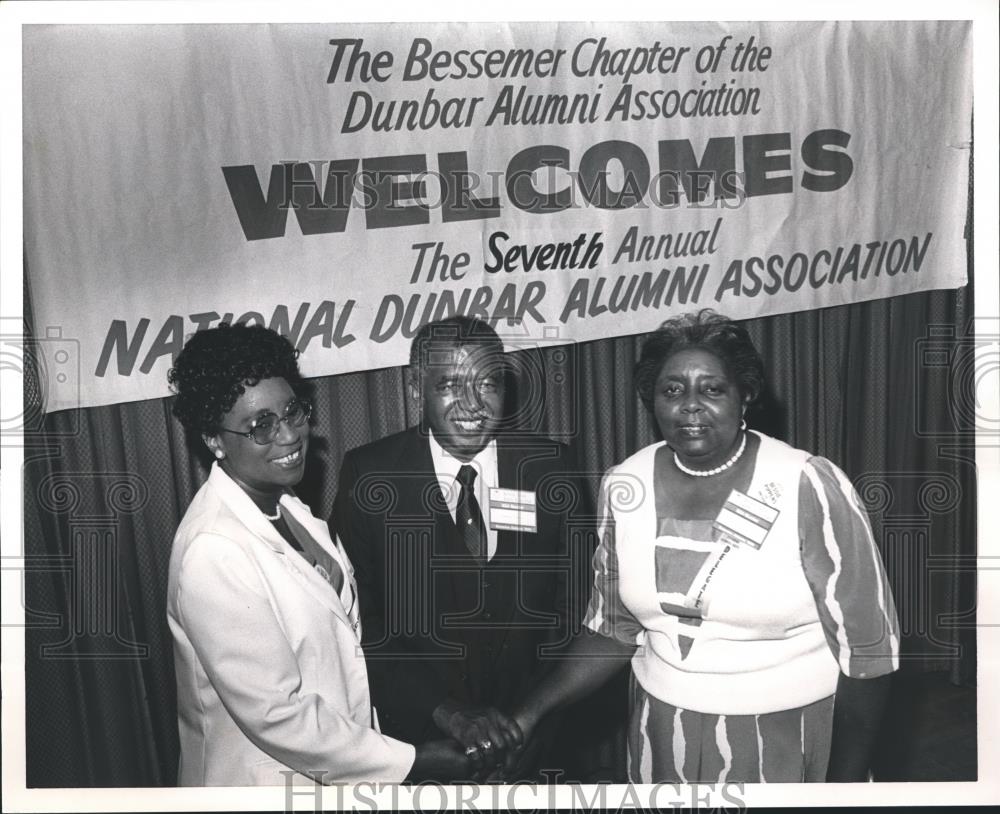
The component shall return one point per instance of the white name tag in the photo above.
(744, 521)
(512, 510)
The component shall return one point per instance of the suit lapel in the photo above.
(508, 460)
(421, 498)
(507, 466)
(512, 453)
(322, 589)
(244, 509)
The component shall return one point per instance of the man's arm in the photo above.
(569, 528)
(577, 542)
(405, 689)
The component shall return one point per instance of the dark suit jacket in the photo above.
(436, 624)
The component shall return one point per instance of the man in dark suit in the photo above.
(471, 546)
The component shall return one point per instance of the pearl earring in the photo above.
(220, 454)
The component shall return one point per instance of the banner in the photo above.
(346, 183)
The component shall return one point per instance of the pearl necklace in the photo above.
(276, 515)
(706, 473)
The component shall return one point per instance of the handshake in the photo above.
(485, 746)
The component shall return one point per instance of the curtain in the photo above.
(881, 388)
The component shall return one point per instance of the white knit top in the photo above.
(730, 629)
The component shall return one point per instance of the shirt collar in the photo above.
(446, 465)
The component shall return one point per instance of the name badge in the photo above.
(744, 521)
(512, 510)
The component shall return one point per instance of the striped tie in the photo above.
(468, 516)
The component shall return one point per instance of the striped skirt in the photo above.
(667, 744)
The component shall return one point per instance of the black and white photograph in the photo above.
(499, 408)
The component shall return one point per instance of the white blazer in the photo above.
(270, 673)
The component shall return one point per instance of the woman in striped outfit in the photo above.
(740, 578)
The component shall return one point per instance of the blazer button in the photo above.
(487, 615)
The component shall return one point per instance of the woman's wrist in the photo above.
(527, 719)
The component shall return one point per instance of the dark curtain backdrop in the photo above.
(884, 389)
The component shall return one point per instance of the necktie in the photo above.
(468, 517)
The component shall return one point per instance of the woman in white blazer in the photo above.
(262, 604)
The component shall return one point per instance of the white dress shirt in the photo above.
(446, 468)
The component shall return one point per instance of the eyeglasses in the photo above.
(265, 428)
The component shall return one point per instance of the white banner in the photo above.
(345, 183)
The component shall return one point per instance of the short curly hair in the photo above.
(705, 330)
(218, 364)
(454, 332)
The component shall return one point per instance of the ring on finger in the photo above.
(486, 745)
